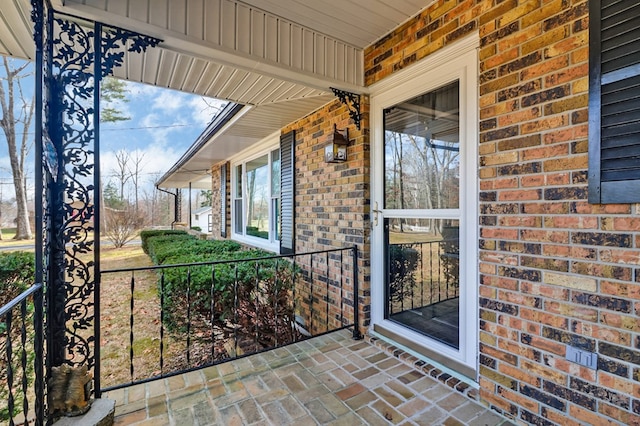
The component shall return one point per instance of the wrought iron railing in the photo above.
(22, 359)
(422, 274)
(211, 312)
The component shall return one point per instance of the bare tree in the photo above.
(121, 226)
(159, 203)
(17, 114)
(123, 174)
(135, 173)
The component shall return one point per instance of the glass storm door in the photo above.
(424, 213)
(422, 200)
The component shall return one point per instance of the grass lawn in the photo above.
(7, 240)
(116, 316)
(116, 311)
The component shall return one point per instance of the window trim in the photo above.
(266, 148)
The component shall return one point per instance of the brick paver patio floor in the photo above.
(328, 380)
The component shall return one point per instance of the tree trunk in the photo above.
(17, 159)
(23, 228)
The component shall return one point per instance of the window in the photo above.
(614, 101)
(257, 199)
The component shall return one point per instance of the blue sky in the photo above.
(163, 124)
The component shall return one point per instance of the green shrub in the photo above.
(403, 263)
(161, 246)
(263, 288)
(177, 279)
(148, 233)
(168, 248)
(17, 273)
(196, 228)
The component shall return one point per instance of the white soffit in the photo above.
(16, 29)
(236, 35)
(356, 22)
(246, 51)
(251, 125)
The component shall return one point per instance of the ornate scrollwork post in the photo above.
(76, 55)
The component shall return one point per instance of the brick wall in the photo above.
(332, 199)
(216, 219)
(554, 270)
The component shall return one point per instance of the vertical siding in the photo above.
(239, 27)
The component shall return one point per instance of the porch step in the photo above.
(100, 414)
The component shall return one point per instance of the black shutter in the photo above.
(614, 101)
(287, 193)
(223, 200)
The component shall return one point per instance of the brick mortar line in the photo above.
(426, 368)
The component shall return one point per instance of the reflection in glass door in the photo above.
(422, 214)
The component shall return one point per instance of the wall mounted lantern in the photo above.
(335, 151)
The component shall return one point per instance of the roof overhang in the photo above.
(278, 59)
(250, 52)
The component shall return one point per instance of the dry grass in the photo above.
(7, 242)
(116, 317)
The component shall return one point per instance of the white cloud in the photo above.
(204, 109)
(169, 101)
(157, 128)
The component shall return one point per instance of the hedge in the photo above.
(146, 234)
(17, 274)
(263, 287)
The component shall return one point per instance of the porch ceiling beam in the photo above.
(234, 34)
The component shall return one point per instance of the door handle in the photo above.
(375, 212)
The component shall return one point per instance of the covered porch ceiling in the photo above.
(278, 58)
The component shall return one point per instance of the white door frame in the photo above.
(456, 62)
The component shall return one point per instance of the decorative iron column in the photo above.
(76, 54)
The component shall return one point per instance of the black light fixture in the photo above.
(335, 150)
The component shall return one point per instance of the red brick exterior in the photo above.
(216, 201)
(554, 270)
(331, 211)
(332, 199)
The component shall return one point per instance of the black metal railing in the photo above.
(422, 274)
(22, 359)
(206, 313)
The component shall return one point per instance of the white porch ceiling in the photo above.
(280, 56)
(316, 44)
(16, 29)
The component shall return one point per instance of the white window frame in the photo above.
(456, 62)
(266, 147)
